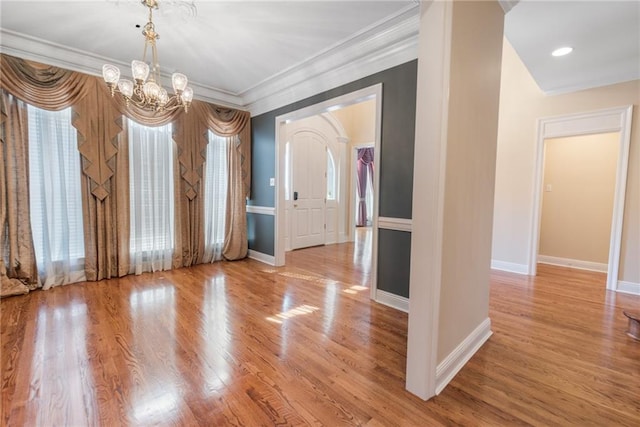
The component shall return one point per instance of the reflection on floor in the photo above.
(243, 343)
(318, 258)
(363, 249)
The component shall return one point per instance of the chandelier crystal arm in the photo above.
(145, 91)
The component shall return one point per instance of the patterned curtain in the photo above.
(18, 270)
(103, 148)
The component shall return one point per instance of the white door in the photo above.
(309, 187)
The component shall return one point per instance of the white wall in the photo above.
(521, 104)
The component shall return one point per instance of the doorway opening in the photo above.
(585, 126)
(577, 202)
(317, 175)
(363, 166)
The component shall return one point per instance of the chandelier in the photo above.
(145, 91)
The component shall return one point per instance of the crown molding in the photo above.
(387, 45)
(507, 5)
(43, 51)
(383, 45)
(357, 38)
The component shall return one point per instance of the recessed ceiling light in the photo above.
(562, 51)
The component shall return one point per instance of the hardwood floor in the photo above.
(246, 344)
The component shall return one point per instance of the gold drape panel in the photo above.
(179, 219)
(98, 122)
(235, 233)
(102, 143)
(105, 184)
(190, 135)
(16, 247)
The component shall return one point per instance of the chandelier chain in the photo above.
(145, 91)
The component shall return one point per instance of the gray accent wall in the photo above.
(394, 261)
(396, 144)
(263, 160)
(396, 164)
(260, 232)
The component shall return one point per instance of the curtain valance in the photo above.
(46, 87)
(53, 88)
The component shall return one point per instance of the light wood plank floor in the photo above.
(246, 344)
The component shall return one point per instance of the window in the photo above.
(55, 196)
(287, 171)
(331, 177)
(151, 197)
(215, 196)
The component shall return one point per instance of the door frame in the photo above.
(371, 92)
(608, 120)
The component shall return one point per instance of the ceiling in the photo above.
(234, 52)
(605, 36)
(264, 54)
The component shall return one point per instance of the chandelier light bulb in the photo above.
(126, 88)
(140, 70)
(179, 82)
(163, 97)
(187, 95)
(110, 73)
(151, 90)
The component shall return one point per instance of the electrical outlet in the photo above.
(272, 182)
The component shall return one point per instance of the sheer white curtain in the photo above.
(215, 196)
(369, 199)
(55, 197)
(151, 198)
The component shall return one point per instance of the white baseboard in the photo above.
(573, 263)
(259, 256)
(509, 266)
(451, 365)
(628, 287)
(392, 300)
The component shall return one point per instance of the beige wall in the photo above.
(469, 183)
(521, 104)
(359, 122)
(459, 64)
(578, 191)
